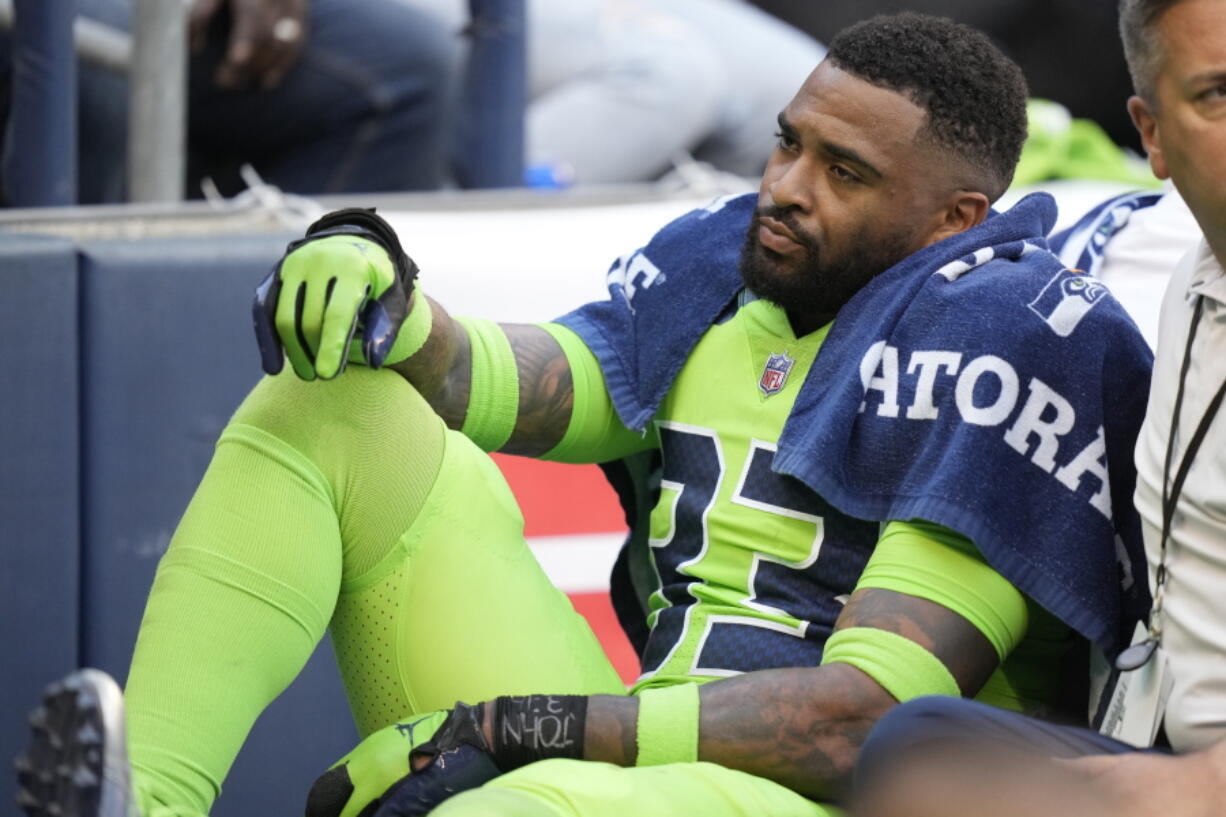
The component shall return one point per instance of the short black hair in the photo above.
(975, 96)
(1137, 21)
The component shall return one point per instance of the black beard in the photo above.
(822, 285)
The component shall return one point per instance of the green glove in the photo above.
(362, 776)
(348, 274)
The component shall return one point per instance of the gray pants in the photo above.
(619, 87)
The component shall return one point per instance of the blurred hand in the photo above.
(1143, 785)
(264, 41)
(973, 780)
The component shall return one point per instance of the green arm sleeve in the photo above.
(595, 433)
(933, 562)
(493, 401)
(925, 560)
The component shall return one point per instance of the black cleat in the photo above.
(76, 764)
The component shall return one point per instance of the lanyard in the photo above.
(1136, 655)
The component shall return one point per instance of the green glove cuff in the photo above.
(413, 334)
(668, 725)
(905, 669)
(493, 402)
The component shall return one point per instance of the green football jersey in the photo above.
(750, 568)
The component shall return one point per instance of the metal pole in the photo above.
(491, 131)
(40, 158)
(157, 119)
(103, 46)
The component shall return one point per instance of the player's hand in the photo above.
(1141, 784)
(456, 759)
(264, 41)
(407, 768)
(347, 275)
(360, 777)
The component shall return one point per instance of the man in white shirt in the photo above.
(949, 757)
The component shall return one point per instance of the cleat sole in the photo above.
(76, 763)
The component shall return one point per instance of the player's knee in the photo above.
(547, 788)
(361, 399)
(355, 413)
(491, 801)
(576, 788)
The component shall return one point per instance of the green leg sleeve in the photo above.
(345, 501)
(576, 788)
(465, 598)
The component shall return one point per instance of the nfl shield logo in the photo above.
(775, 375)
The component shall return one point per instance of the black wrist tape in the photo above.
(462, 726)
(534, 727)
(363, 222)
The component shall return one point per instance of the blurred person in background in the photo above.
(319, 96)
(947, 757)
(622, 90)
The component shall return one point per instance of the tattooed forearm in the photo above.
(442, 373)
(803, 727)
(546, 390)
(441, 370)
(958, 644)
(799, 727)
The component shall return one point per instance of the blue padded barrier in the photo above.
(104, 445)
(39, 531)
(167, 354)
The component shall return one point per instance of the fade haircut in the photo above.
(1138, 23)
(974, 95)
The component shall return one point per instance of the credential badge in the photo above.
(775, 374)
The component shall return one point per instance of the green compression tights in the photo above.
(344, 503)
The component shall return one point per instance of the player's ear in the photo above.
(962, 210)
(1151, 136)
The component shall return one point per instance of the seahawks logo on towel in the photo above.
(1066, 299)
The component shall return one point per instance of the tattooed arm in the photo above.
(802, 727)
(442, 373)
